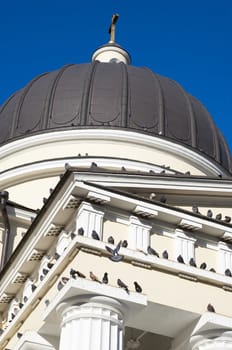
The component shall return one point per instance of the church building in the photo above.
(115, 213)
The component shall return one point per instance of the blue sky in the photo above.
(187, 40)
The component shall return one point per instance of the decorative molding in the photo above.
(139, 235)
(185, 245)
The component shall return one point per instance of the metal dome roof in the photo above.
(113, 95)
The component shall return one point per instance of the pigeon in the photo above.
(75, 274)
(73, 235)
(80, 231)
(195, 209)
(94, 277)
(110, 240)
(163, 199)
(121, 284)
(33, 287)
(218, 216)
(228, 273)
(192, 262)
(209, 213)
(165, 254)
(63, 281)
(44, 200)
(212, 269)
(124, 243)
(152, 196)
(19, 335)
(152, 251)
(227, 219)
(180, 259)
(45, 271)
(95, 235)
(203, 266)
(210, 308)
(138, 288)
(115, 256)
(56, 256)
(46, 302)
(50, 265)
(187, 173)
(105, 278)
(20, 305)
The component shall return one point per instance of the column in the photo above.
(212, 340)
(139, 234)
(93, 323)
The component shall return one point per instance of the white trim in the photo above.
(198, 160)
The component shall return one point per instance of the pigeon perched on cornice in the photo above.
(95, 235)
(121, 284)
(105, 278)
(138, 288)
(228, 273)
(192, 262)
(94, 277)
(124, 243)
(180, 259)
(152, 251)
(210, 308)
(110, 240)
(218, 216)
(165, 254)
(209, 213)
(203, 266)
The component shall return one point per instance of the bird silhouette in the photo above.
(46, 302)
(210, 308)
(73, 235)
(74, 274)
(195, 209)
(163, 199)
(45, 271)
(105, 278)
(180, 259)
(228, 273)
(203, 266)
(110, 240)
(138, 288)
(124, 243)
(218, 216)
(209, 213)
(94, 277)
(95, 235)
(115, 256)
(212, 269)
(152, 251)
(56, 256)
(61, 283)
(227, 219)
(192, 262)
(50, 265)
(80, 231)
(121, 284)
(165, 254)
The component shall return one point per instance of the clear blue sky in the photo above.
(187, 40)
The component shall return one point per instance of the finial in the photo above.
(112, 27)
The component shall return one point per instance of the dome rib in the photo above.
(125, 95)
(51, 95)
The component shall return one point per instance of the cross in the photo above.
(112, 27)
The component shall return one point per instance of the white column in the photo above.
(33, 341)
(94, 323)
(90, 217)
(139, 234)
(224, 257)
(185, 245)
(212, 340)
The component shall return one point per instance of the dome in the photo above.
(112, 95)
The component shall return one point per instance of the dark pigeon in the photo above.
(165, 254)
(115, 256)
(138, 288)
(80, 231)
(228, 273)
(218, 216)
(209, 213)
(152, 251)
(203, 266)
(180, 259)
(192, 262)
(95, 235)
(210, 308)
(121, 284)
(124, 243)
(110, 240)
(105, 278)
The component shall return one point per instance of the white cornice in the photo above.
(189, 155)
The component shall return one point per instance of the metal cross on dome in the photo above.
(112, 27)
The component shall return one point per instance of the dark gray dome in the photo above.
(110, 95)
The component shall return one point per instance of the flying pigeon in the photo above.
(115, 256)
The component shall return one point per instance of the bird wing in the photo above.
(118, 246)
(110, 250)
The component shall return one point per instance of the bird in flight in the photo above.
(115, 256)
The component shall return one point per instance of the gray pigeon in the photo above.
(95, 235)
(152, 251)
(115, 256)
(121, 284)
